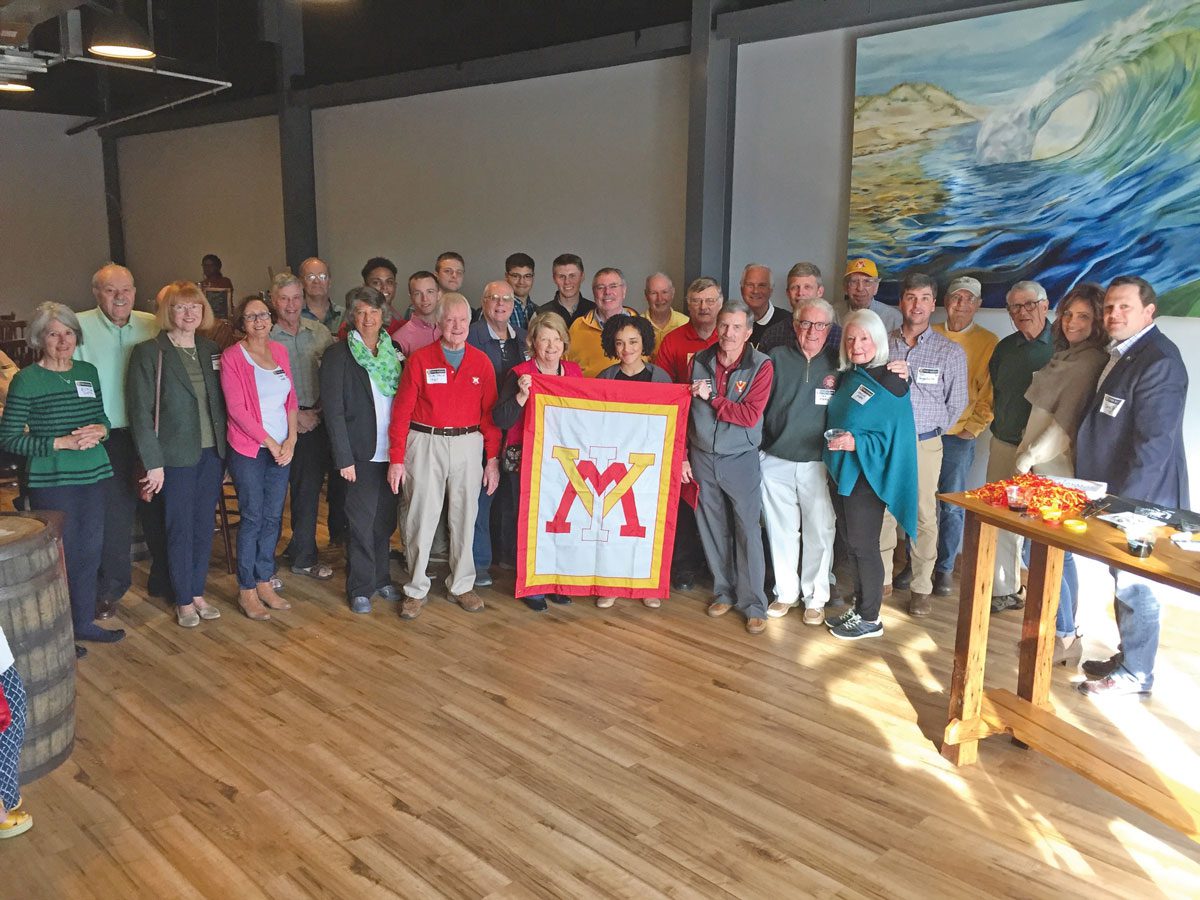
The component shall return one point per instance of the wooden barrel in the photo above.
(35, 613)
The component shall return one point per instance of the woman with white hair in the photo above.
(55, 419)
(871, 454)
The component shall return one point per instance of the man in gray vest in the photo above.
(794, 480)
(731, 383)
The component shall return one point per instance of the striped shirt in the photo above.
(44, 405)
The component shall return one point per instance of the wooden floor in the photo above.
(578, 753)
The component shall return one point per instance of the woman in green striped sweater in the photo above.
(55, 418)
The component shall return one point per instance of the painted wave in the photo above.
(1093, 173)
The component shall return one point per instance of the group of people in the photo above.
(816, 434)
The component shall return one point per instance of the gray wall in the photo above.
(52, 218)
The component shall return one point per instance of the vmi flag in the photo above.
(599, 487)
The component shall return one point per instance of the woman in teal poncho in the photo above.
(872, 463)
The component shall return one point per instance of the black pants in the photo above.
(335, 496)
(120, 506)
(371, 515)
(82, 506)
(859, 521)
(310, 462)
(688, 559)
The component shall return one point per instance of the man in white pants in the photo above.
(795, 492)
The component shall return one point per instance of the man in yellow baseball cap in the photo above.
(861, 282)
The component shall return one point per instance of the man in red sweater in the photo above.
(441, 429)
(674, 356)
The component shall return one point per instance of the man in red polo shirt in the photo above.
(674, 356)
(440, 431)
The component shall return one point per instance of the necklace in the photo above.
(189, 352)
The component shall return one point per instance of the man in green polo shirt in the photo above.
(110, 332)
(1013, 363)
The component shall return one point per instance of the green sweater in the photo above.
(885, 441)
(43, 405)
(794, 421)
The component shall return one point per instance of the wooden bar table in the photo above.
(1027, 715)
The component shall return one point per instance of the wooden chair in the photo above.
(10, 329)
(228, 518)
(20, 352)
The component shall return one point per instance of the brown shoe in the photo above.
(719, 609)
(266, 593)
(919, 605)
(411, 607)
(887, 590)
(252, 606)
(106, 609)
(814, 616)
(470, 601)
(756, 625)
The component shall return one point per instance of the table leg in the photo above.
(970, 645)
(1037, 629)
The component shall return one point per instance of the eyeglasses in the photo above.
(256, 317)
(516, 277)
(188, 307)
(804, 325)
(499, 298)
(1028, 306)
(317, 276)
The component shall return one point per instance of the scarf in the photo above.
(1066, 385)
(383, 367)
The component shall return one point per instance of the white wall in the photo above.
(588, 162)
(52, 219)
(215, 189)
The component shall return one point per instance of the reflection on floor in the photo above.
(577, 752)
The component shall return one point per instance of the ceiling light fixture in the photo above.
(119, 37)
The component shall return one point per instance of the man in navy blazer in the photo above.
(1132, 438)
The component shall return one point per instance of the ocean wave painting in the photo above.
(1060, 144)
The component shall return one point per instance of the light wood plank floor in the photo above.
(578, 753)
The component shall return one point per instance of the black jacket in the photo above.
(348, 406)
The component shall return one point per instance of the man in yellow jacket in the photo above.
(963, 299)
(608, 293)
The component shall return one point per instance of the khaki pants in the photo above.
(441, 472)
(1002, 463)
(924, 546)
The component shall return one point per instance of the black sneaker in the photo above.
(840, 619)
(943, 583)
(903, 581)
(856, 628)
(1102, 668)
(1003, 602)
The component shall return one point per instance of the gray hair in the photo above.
(805, 270)
(868, 320)
(107, 267)
(282, 280)
(52, 312)
(737, 306)
(448, 300)
(361, 294)
(1032, 287)
(659, 275)
(753, 265)
(609, 270)
(815, 303)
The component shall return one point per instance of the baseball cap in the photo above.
(965, 283)
(862, 266)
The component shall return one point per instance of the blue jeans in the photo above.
(1068, 593)
(957, 457)
(1138, 613)
(82, 506)
(189, 502)
(481, 543)
(261, 488)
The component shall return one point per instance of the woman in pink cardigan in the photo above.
(260, 399)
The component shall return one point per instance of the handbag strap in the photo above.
(157, 389)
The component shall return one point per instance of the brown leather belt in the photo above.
(443, 432)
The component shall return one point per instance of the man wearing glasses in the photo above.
(936, 369)
(505, 347)
(518, 272)
(317, 302)
(795, 497)
(608, 289)
(1011, 369)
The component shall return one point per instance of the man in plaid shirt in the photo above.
(936, 369)
(518, 272)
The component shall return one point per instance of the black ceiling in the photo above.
(343, 39)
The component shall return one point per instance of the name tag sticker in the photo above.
(823, 395)
(216, 363)
(862, 394)
(928, 374)
(436, 376)
(85, 389)
(1110, 405)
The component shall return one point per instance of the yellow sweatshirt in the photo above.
(977, 342)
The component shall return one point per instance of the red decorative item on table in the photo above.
(1042, 495)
